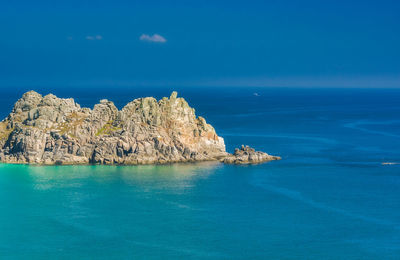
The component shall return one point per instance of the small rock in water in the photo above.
(248, 155)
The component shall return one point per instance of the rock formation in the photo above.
(247, 155)
(51, 130)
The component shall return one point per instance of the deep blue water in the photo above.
(330, 197)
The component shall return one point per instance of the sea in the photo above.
(334, 195)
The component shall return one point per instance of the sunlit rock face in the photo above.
(51, 130)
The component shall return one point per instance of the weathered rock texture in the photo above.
(247, 155)
(52, 130)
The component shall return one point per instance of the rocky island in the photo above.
(52, 131)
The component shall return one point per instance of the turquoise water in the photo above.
(329, 198)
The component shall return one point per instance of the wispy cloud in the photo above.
(152, 38)
(93, 38)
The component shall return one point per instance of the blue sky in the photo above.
(195, 43)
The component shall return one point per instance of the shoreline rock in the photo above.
(47, 130)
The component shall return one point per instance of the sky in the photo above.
(307, 43)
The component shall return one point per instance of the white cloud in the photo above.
(92, 38)
(153, 38)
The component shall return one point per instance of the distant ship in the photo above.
(390, 163)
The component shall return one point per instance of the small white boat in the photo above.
(390, 163)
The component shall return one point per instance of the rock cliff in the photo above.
(51, 130)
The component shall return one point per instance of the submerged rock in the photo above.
(51, 130)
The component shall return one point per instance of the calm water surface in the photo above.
(329, 198)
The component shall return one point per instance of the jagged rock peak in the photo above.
(173, 96)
